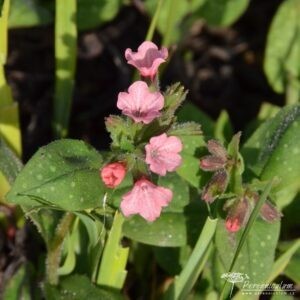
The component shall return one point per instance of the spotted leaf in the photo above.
(273, 151)
(63, 174)
(257, 255)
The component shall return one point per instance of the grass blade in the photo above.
(65, 60)
(189, 275)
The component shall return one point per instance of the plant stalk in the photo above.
(55, 246)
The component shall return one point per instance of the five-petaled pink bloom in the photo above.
(113, 174)
(147, 59)
(140, 104)
(162, 154)
(145, 199)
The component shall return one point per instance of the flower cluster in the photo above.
(227, 167)
(143, 104)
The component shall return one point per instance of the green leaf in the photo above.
(288, 262)
(222, 12)
(10, 164)
(282, 57)
(92, 13)
(3, 40)
(121, 131)
(70, 260)
(189, 169)
(18, 287)
(180, 191)
(27, 13)
(165, 23)
(267, 111)
(63, 174)
(1, 5)
(223, 128)
(78, 287)
(187, 278)
(112, 272)
(256, 257)
(187, 128)
(172, 259)
(190, 112)
(169, 230)
(273, 151)
(65, 63)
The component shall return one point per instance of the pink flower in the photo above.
(162, 154)
(147, 59)
(113, 174)
(145, 199)
(140, 104)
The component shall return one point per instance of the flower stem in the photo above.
(54, 248)
(112, 271)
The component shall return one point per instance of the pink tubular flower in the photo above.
(162, 154)
(147, 59)
(145, 199)
(113, 174)
(140, 104)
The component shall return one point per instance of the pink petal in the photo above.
(139, 103)
(162, 154)
(147, 59)
(145, 199)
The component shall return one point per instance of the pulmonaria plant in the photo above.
(141, 139)
(227, 168)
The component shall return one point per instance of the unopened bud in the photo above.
(269, 213)
(217, 149)
(215, 187)
(113, 174)
(238, 215)
(212, 163)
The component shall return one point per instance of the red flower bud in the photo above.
(238, 215)
(113, 174)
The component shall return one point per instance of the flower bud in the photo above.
(113, 174)
(238, 215)
(269, 213)
(212, 163)
(215, 187)
(217, 149)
